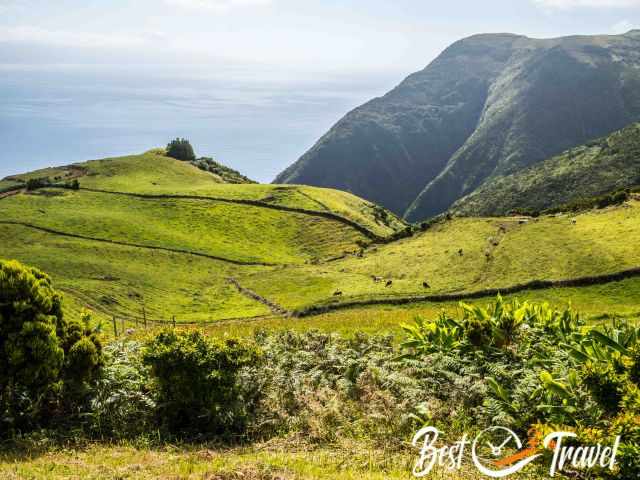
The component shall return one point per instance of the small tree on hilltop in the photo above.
(181, 149)
(46, 361)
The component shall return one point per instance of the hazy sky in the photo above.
(334, 53)
(319, 35)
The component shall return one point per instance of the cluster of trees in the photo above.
(181, 149)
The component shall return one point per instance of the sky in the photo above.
(253, 83)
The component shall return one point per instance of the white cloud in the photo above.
(216, 5)
(623, 26)
(36, 35)
(569, 4)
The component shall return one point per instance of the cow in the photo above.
(389, 283)
(376, 279)
(337, 293)
(426, 285)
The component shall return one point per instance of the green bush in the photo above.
(73, 184)
(198, 380)
(124, 401)
(229, 175)
(35, 183)
(46, 361)
(181, 149)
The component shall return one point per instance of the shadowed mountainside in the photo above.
(488, 106)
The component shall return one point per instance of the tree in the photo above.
(44, 359)
(181, 149)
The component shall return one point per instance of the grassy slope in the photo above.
(120, 280)
(596, 303)
(115, 279)
(8, 185)
(237, 232)
(602, 166)
(153, 173)
(497, 252)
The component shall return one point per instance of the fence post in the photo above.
(174, 322)
(115, 328)
(122, 329)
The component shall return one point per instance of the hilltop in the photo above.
(488, 106)
(150, 231)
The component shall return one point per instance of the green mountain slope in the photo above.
(597, 168)
(488, 106)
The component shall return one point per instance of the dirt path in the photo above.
(11, 192)
(275, 308)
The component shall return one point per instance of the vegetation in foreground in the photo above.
(520, 365)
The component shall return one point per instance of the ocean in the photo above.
(256, 120)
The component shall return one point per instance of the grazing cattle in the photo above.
(337, 293)
(376, 279)
(574, 221)
(426, 285)
(130, 331)
(460, 252)
(389, 283)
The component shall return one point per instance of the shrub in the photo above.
(46, 360)
(73, 184)
(181, 149)
(35, 183)
(123, 403)
(330, 388)
(199, 391)
(229, 175)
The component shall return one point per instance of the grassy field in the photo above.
(460, 255)
(262, 462)
(242, 233)
(153, 258)
(468, 254)
(155, 174)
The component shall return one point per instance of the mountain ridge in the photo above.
(489, 105)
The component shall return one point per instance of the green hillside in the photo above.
(153, 231)
(467, 255)
(601, 166)
(238, 233)
(120, 280)
(152, 173)
(150, 232)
